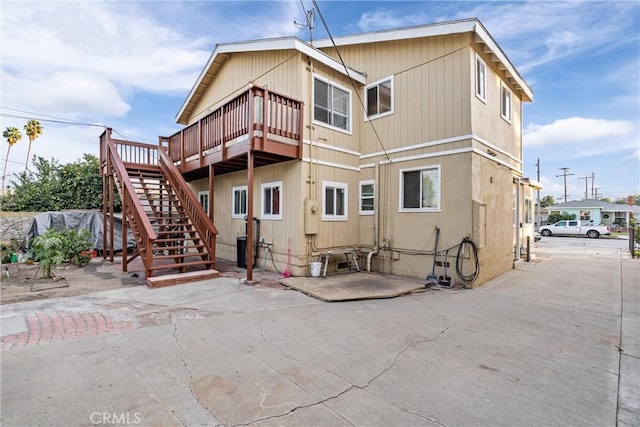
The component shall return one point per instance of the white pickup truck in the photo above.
(574, 228)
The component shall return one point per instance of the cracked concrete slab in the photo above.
(539, 347)
(353, 286)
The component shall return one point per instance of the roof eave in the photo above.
(292, 43)
(444, 28)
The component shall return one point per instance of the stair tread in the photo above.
(179, 265)
(177, 239)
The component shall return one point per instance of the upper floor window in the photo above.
(203, 198)
(331, 104)
(481, 79)
(272, 200)
(334, 201)
(379, 98)
(420, 189)
(239, 201)
(367, 197)
(505, 103)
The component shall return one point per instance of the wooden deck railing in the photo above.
(256, 114)
(132, 209)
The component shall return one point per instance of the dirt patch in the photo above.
(24, 282)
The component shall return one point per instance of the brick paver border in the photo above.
(57, 326)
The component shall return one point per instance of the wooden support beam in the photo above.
(250, 159)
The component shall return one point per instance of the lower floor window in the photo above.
(203, 198)
(272, 200)
(420, 189)
(367, 197)
(239, 201)
(334, 201)
(528, 210)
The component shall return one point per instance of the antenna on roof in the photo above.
(310, 24)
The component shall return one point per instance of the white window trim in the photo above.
(349, 130)
(503, 88)
(528, 210)
(270, 185)
(367, 182)
(233, 200)
(387, 113)
(343, 186)
(483, 97)
(515, 209)
(205, 207)
(401, 190)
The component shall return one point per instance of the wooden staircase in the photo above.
(175, 238)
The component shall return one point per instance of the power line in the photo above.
(68, 122)
(355, 89)
(565, 174)
(586, 185)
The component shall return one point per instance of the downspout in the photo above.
(376, 200)
(516, 181)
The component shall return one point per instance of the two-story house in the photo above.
(365, 145)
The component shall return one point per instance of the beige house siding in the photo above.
(431, 89)
(274, 231)
(492, 187)
(486, 121)
(280, 69)
(437, 120)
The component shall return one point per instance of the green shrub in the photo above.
(57, 246)
(555, 217)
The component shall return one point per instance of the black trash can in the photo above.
(241, 247)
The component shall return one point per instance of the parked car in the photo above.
(574, 228)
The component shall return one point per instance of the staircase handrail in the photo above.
(140, 219)
(188, 200)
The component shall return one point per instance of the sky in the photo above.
(130, 65)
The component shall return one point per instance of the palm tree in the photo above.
(33, 129)
(12, 135)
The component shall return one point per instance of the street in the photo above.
(552, 342)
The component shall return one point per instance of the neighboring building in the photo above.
(544, 216)
(596, 211)
(420, 128)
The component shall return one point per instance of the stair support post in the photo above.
(249, 244)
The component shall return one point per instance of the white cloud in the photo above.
(534, 34)
(69, 93)
(110, 39)
(614, 134)
(634, 156)
(384, 19)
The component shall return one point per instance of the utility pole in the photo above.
(565, 175)
(596, 192)
(593, 180)
(586, 188)
(538, 222)
(309, 24)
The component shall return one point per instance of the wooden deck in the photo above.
(259, 121)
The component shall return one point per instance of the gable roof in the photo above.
(222, 51)
(470, 25)
(591, 204)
